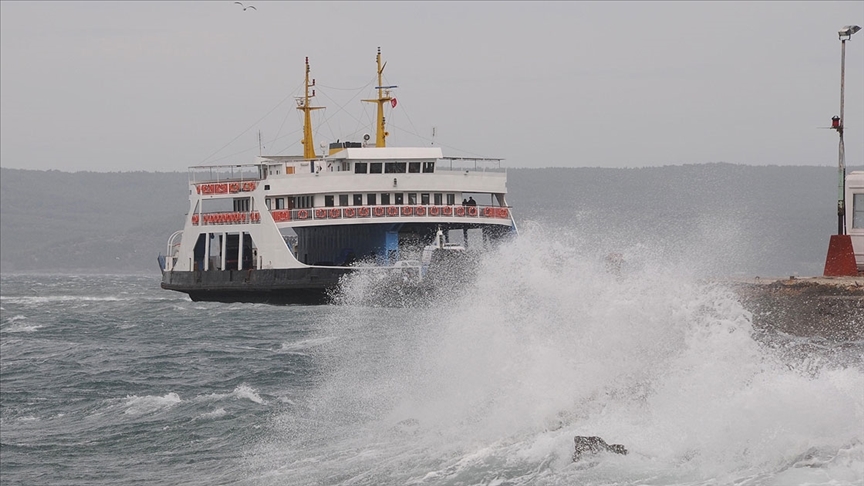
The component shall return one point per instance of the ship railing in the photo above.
(471, 164)
(224, 173)
(222, 218)
(173, 248)
(355, 212)
(390, 211)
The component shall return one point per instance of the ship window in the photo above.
(371, 199)
(858, 211)
(399, 198)
(412, 198)
(394, 167)
(414, 167)
(359, 167)
(385, 198)
(280, 203)
(451, 199)
(424, 198)
(375, 167)
(267, 203)
(328, 201)
(439, 198)
(358, 199)
(428, 167)
(343, 199)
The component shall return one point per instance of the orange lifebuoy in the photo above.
(378, 211)
(248, 186)
(460, 211)
(234, 187)
(420, 210)
(349, 212)
(447, 210)
(194, 219)
(472, 210)
(256, 216)
(434, 210)
(503, 213)
(320, 213)
(221, 188)
(302, 214)
(363, 212)
(392, 211)
(407, 210)
(335, 213)
(489, 212)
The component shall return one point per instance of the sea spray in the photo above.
(489, 385)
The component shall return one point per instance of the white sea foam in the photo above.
(241, 392)
(136, 405)
(300, 347)
(247, 392)
(213, 414)
(492, 385)
(33, 299)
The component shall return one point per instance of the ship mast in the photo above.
(383, 97)
(303, 105)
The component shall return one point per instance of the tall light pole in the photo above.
(837, 124)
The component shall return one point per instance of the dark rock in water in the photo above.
(594, 445)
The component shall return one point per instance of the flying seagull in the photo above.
(244, 8)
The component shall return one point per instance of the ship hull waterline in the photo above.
(311, 285)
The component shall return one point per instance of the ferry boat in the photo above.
(287, 229)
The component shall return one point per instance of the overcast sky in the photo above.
(159, 86)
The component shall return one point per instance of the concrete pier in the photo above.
(828, 307)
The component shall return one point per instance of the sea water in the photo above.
(110, 380)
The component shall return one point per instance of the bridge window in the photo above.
(343, 199)
(328, 201)
(280, 203)
(412, 198)
(424, 198)
(428, 167)
(358, 199)
(385, 198)
(394, 167)
(359, 167)
(375, 167)
(451, 199)
(399, 198)
(414, 167)
(439, 198)
(371, 199)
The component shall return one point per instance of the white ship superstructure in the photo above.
(286, 226)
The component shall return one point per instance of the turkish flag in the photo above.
(393, 103)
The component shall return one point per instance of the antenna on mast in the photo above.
(434, 129)
(383, 97)
(260, 147)
(303, 104)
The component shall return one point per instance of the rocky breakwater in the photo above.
(828, 307)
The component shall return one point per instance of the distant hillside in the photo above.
(88, 221)
(745, 219)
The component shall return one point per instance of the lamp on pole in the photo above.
(837, 124)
